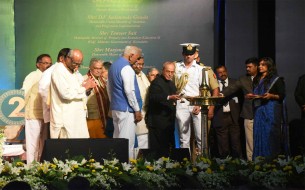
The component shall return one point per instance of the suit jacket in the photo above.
(299, 93)
(245, 84)
(234, 107)
(161, 112)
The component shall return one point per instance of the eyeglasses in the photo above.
(45, 63)
(139, 65)
(74, 63)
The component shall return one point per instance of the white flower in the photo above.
(126, 166)
(169, 165)
(146, 163)
(299, 169)
(202, 165)
(189, 171)
(83, 161)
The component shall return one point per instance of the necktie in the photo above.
(223, 84)
(223, 87)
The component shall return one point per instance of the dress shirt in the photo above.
(222, 84)
(194, 77)
(44, 91)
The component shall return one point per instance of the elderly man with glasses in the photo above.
(68, 99)
(35, 130)
(98, 102)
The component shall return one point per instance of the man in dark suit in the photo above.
(298, 126)
(226, 116)
(161, 113)
(245, 83)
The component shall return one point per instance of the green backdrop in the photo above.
(100, 28)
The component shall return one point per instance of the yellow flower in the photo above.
(257, 167)
(133, 161)
(286, 168)
(93, 171)
(176, 165)
(195, 169)
(209, 171)
(273, 165)
(298, 157)
(2, 183)
(209, 161)
(150, 168)
(19, 164)
(91, 160)
(185, 159)
(165, 159)
(222, 167)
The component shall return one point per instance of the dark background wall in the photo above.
(266, 28)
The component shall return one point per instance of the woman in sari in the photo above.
(269, 93)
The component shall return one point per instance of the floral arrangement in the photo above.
(163, 173)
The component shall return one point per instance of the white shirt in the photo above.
(44, 91)
(226, 108)
(143, 83)
(194, 77)
(67, 107)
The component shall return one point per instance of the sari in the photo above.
(267, 124)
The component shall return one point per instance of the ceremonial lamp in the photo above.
(204, 100)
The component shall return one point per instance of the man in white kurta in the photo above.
(143, 83)
(68, 108)
(35, 130)
(45, 82)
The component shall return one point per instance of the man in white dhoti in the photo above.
(68, 106)
(35, 130)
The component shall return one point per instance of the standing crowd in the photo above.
(118, 100)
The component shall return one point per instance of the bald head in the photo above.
(74, 59)
(76, 55)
